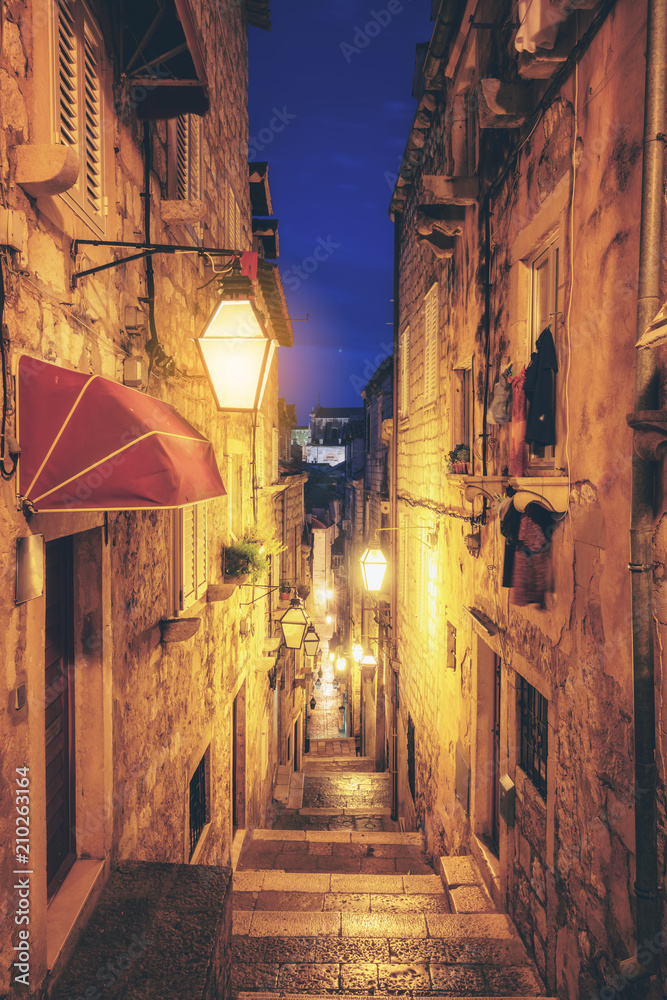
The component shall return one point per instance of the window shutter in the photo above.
(275, 455)
(404, 371)
(201, 533)
(182, 157)
(68, 104)
(92, 116)
(259, 451)
(188, 557)
(430, 342)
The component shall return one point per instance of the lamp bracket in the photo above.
(267, 591)
(144, 250)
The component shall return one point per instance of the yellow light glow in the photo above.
(237, 354)
(357, 652)
(341, 663)
(329, 619)
(330, 594)
(373, 566)
(332, 656)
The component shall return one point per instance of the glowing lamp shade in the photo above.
(311, 642)
(237, 354)
(373, 566)
(357, 652)
(332, 657)
(294, 624)
(369, 661)
(341, 663)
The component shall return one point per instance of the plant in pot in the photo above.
(458, 459)
(284, 588)
(302, 591)
(248, 558)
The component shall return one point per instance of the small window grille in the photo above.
(199, 804)
(411, 756)
(534, 728)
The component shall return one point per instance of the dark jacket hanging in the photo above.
(539, 389)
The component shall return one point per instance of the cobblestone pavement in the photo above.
(353, 790)
(326, 721)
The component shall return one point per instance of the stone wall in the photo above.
(567, 864)
(146, 712)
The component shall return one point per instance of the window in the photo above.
(199, 800)
(431, 346)
(533, 734)
(259, 452)
(185, 183)
(462, 406)
(234, 230)
(404, 372)
(193, 554)
(543, 312)
(275, 454)
(78, 105)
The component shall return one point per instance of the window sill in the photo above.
(70, 908)
(551, 492)
(486, 486)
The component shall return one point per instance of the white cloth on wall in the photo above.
(539, 21)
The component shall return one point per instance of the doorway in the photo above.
(485, 813)
(495, 810)
(238, 760)
(59, 712)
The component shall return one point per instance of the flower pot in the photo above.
(178, 629)
(236, 580)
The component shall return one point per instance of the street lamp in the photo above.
(311, 642)
(236, 350)
(373, 567)
(357, 652)
(294, 624)
(341, 663)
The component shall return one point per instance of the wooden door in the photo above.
(59, 708)
(495, 812)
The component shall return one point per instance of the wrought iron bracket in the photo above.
(144, 250)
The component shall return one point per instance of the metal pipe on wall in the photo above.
(641, 529)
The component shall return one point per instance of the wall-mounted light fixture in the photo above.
(311, 642)
(294, 624)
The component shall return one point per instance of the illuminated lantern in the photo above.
(373, 567)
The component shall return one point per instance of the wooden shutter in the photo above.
(404, 372)
(275, 455)
(201, 533)
(68, 102)
(188, 556)
(430, 345)
(259, 451)
(92, 117)
(233, 221)
(182, 158)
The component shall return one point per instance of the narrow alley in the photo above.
(335, 898)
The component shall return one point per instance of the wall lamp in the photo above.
(311, 642)
(373, 561)
(235, 348)
(294, 624)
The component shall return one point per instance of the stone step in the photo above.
(465, 888)
(375, 995)
(372, 852)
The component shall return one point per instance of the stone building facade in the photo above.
(159, 750)
(517, 208)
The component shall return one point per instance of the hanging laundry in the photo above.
(531, 575)
(518, 448)
(538, 25)
(500, 410)
(510, 521)
(539, 387)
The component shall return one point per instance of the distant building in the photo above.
(327, 423)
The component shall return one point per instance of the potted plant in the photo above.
(249, 557)
(284, 588)
(302, 591)
(458, 459)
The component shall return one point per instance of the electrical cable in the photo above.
(571, 295)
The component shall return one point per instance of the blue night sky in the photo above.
(352, 108)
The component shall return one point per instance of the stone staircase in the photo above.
(347, 912)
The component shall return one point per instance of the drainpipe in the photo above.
(641, 531)
(394, 533)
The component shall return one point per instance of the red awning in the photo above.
(88, 443)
